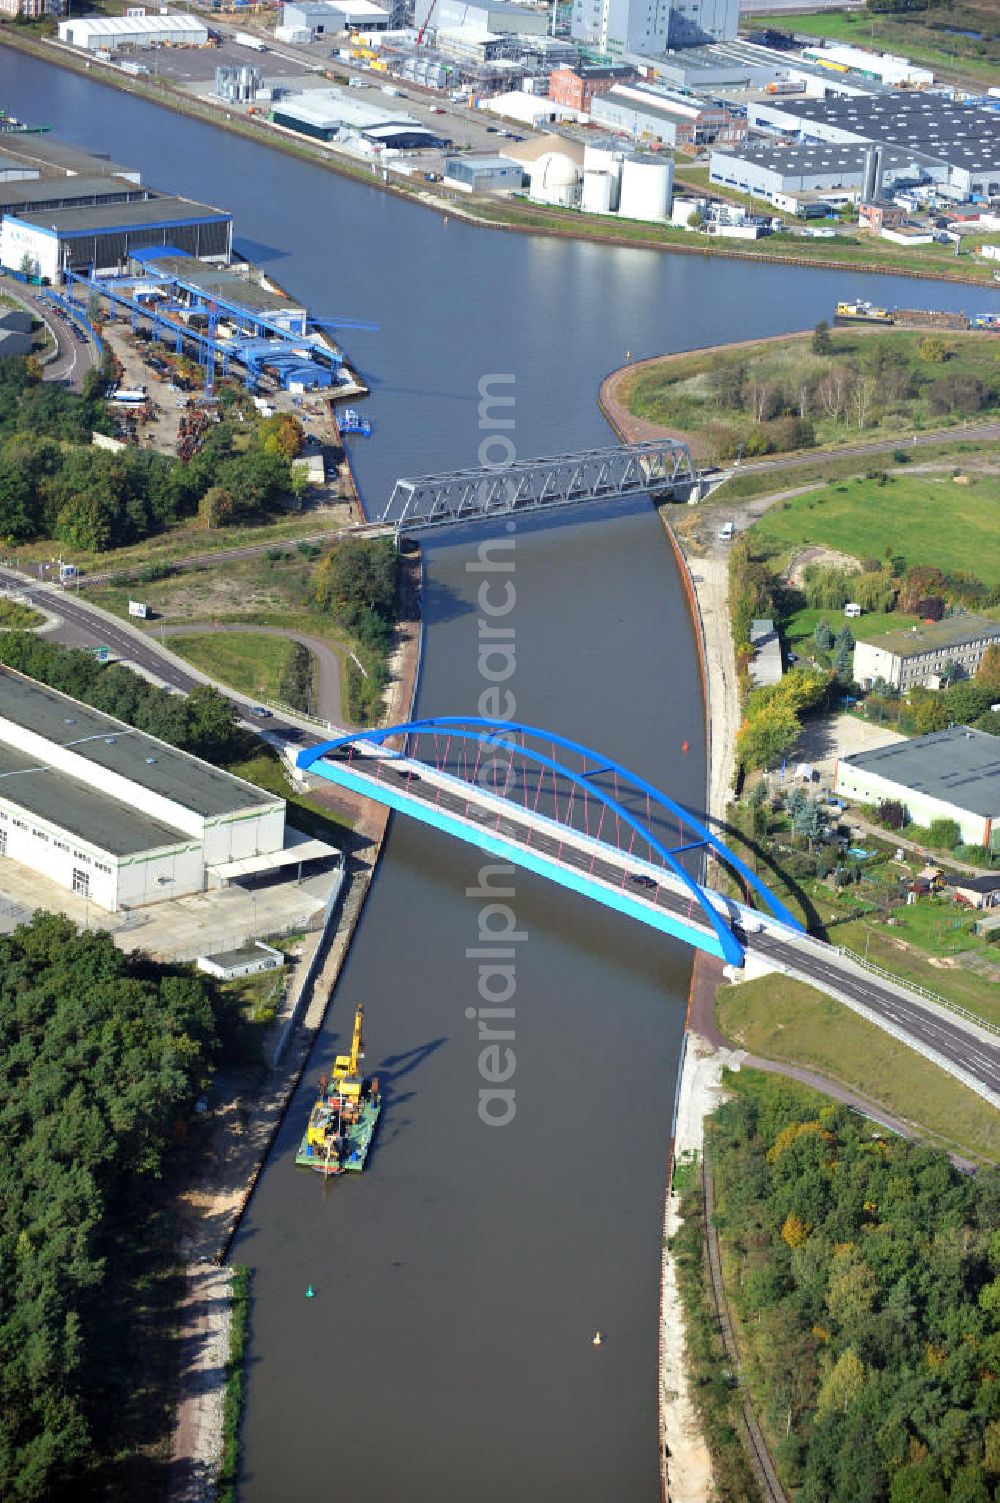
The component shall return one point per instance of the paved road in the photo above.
(965, 1048)
(75, 355)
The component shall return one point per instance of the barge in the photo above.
(344, 1115)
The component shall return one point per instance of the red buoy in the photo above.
(684, 747)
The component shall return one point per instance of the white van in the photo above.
(727, 532)
(356, 83)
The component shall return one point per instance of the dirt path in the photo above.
(204, 1318)
(329, 701)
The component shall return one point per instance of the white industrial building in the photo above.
(882, 67)
(101, 237)
(93, 33)
(647, 28)
(498, 17)
(320, 18)
(952, 774)
(115, 815)
(337, 114)
(770, 171)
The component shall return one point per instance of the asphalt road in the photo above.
(920, 1022)
(75, 354)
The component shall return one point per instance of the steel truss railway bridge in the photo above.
(566, 812)
(662, 468)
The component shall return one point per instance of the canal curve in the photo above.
(448, 1353)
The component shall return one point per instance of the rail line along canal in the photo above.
(468, 1268)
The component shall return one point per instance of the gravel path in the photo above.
(205, 1316)
(329, 702)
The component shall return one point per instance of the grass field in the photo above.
(911, 35)
(247, 661)
(17, 617)
(798, 628)
(681, 393)
(778, 1018)
(925, 519)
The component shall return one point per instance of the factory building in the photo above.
(884, 68)
(115, 815)
(647, 28)
(578, 86)
(918, 655)
(25, 157)
(770, 171)
(320, 18)
(952, 774)
(484, 174)
(658, 115)
(961, 137)
(197, 284)
(101, 238)
(332, 114)
(93, 33)
(495, 16)
(36, 195)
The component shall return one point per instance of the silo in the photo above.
(647, 184)
(597, 188)
(605, 156)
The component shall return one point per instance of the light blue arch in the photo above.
(496, 734)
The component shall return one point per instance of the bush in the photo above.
(892, 814)
(152, 572)
(943, 834)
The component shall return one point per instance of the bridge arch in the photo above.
(500, 735)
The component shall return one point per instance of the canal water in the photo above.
(447, 1354)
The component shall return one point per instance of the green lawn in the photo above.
(798, 628)
(910, 35)
(315, 818)
(778, 1018)
(683, 392)
(925, 519)
(17, 617)
(247, 661)
(965, 988)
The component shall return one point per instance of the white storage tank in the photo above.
(597, 192)
(555, 179)
(647, 187)
(605, 156)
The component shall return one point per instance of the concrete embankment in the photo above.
(245, 1128)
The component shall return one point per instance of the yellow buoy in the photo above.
(598, 1338)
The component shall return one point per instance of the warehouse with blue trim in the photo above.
(102, 238)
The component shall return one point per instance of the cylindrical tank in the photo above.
(605, 156)
(647, 184)
(597, 188)
(555, 179)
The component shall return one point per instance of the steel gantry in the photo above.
(657, 466)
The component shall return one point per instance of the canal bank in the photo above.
(465, 1273)
(490, 213)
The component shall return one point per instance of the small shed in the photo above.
(977, 892)
(249, 960)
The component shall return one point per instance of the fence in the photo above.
(923, 991)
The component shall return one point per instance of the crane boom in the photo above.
(425, 22)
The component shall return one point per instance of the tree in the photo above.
(822, 344)
(932, 350)
(358, 573)
(952, 672)
(215, 507)
(988, 672)
(843, 659)
(771, 732)
(28, 265)
(892, 813)
(810, 822)
(943, 834)
(823, 636)
(695, 219)
(843, 1383)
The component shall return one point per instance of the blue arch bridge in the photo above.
(555, 807)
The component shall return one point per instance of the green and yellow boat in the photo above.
(344, 1115)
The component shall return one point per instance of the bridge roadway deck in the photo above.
(967, 1051)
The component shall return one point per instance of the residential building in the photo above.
(908, 657)
(952, 774)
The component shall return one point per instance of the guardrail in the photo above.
(912, 986)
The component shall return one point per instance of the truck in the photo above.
(727, 532)
(244, 39)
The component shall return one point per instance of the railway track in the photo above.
(751, 1434)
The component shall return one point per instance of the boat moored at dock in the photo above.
(344, 1115)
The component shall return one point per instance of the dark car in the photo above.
(261, 712)
(641, 880)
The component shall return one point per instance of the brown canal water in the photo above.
(447, 1354)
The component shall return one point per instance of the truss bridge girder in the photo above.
(531, 485)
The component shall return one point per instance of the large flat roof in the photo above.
(217, 281)
(176, 775)
(818, 156)
(960, 766)
(94, 818)
(964, 135)
(45, 154)
(99, 218)
(935, 636)
(65, 192)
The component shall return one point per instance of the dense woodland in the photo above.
(54, 484)
(866, 1276)
(101, 1058)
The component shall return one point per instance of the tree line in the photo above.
(101, 1058)
(55, 484)
(865, 1274)
(202, 722)
(357, 583)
